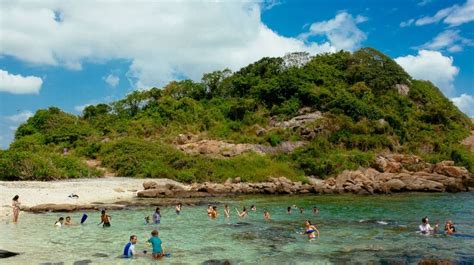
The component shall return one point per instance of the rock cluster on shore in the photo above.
(391, 173)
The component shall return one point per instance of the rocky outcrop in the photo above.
(297, 121)
(51, 207)
(392, 173)
(217, 148)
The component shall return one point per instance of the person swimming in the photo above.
(214, 212)
(449, 228)
(226, 211)
(310, 230)
(59, 222)
(266, 215)
(68, 221)
(105, 219)
(315, 210)
(242, 214)
(178, 208)
(301, 210)
(253, 208)
(288, 210)
(425, 227)
(209, 210)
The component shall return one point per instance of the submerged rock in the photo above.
(82, 262)
(216, 262)
(7, 254)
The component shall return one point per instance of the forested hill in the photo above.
(361, 104)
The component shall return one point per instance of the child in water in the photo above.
(214, 212)
(156, 244)
(105, 219)
(266, 215)
(242, 214)
(311, 230)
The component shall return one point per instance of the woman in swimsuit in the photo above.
(310, 230)
(105, 219)
(214, 212)
(449, 228)
(16, 208)
(226, 211)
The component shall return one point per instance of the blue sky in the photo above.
(73, 53)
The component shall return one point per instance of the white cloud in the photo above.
(424, 2)
(449, 40)
(111, 80)
(465, 103)
(454, 15)
(341, 31)
(432, 66)
(162, 39)
(18, 84)
(20, 117)
(80, 108)
(407, 23)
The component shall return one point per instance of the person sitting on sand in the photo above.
(59, 223)
(214, 212)
(68, 221)
(129, 249)
(105, 219)
(157, 216)
(266, 215)
(178, 208)
(425, 227)
(156, 244)
(449, 228)
(288, 210)
(310, 230)
(16, 208)
(242, 214)
(226, 211)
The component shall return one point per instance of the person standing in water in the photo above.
(59, 223)
(253, 208)
(68, 221)
(242, 214)
(16, 208)
(178, 208)
(425, 227)
(105, 219)
(288, 210)
(156, 245)
(226, 211)
(157, 216)
(310, 230)
(315, 210)
(214, 212)
(301, 210)
(209, 210)
(129, 249)
(449, 228)
(266, 215)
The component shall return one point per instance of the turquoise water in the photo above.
(368, 229)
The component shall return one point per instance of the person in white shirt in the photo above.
(425, 227)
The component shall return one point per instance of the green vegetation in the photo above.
(363, 114)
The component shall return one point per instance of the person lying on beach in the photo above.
(156, 245)
(129, 249)
(425, 227)
(68, 221)
(266, 215)
(310, 230)
(243, 213)
(449, 228)
(226, 211)
(59, 223)
(105, 219)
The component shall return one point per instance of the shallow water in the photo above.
(367, 229)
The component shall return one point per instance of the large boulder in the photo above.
(156, 192)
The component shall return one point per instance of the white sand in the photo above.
(89, 190)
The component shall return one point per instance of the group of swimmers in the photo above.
(425, 227)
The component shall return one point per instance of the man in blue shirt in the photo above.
(129, 250)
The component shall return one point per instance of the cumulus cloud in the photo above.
(18, 84)
(449, 40)
(454, 15)
(20, 117)
(407, 23)
(80, 108)
(341, 31)
(111, 80)
(432, 66)
(424, 2)
(465, 103)
(162, 39)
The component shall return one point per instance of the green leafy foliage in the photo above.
(363, 114)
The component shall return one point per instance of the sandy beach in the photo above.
(89, 190)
